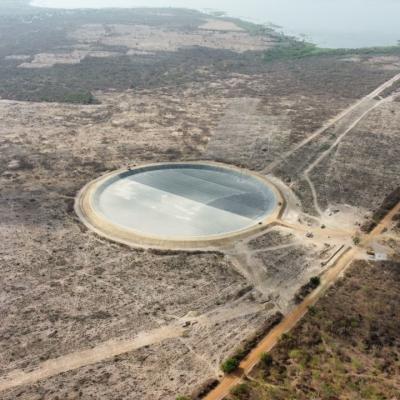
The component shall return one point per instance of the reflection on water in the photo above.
(329, 23)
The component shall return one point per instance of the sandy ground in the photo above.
(147, 38)
(379, 146)
(47, 60)
(84, 317)
(136, 40)
(220, 25)
(85, 292)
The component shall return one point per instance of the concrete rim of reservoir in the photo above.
(89, 206)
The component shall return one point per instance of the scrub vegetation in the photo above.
(230, 365)
(86, 92)
(306, 289)
(29, 32)
(295, 49)
(233, 361)
(390, 201)
(346, 347)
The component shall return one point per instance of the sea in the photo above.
(327, 23)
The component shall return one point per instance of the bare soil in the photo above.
(65, 292)
(372, 147)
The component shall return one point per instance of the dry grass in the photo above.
(347, 347)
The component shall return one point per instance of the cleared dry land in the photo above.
(85, 92)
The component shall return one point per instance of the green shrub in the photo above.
(285, 337)
(312, 310)
(230, 365)
(183, 398)
(315, 281)
(241, 391)
(291, 50)
(80, 98)
(295, 49)
(306, 289)
(241, 353)
(251, 342)
(266, 359)
(325, 147)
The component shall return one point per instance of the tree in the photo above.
(266, 359)
(230, 365)
(315, 281)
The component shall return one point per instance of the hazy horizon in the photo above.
(339, 23)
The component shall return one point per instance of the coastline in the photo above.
(359, 33)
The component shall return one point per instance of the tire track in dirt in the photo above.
(345, 113)
(83, 358)
(291, 320)
(335, 144)
(114, 347)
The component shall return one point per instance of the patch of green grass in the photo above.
(296, 354)
(328, 390)
(255, 29)
(325, 147)
(300, 356)
(80, 98)
(66, 96)
(356, 364)
(241, 391)
(369, 392)
(315, 362)
(294, 49)
(291, 50)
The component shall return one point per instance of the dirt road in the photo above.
(111, 348)
(331, 275)
(81, 358)
(379, 229)
(348, 116)
(343, 131)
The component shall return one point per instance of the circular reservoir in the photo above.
(186, 204)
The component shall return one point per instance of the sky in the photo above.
(333, 23)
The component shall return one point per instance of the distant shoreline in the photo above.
(366, 34)
(211, 11)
